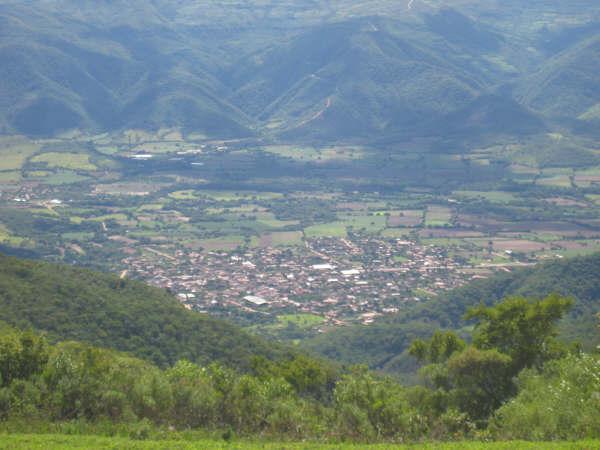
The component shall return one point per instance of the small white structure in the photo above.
(350, 272)
(322, 267)
(258, 301)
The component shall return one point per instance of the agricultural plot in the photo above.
(280, 239)
(183, 195)
(232, 196)
(405, 218)
(10, 177)
(492, 196)
(269, 220)
(221, 244)
(303, 153)
(64, 177)
(133, 189)
(438, 216)
(332, 229)
(369, 223)
(6, 237)
(15, 152)
(563, 181)
(72, 161)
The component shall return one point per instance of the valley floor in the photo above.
(57, 441)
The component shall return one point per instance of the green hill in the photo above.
(70, 303)
(327, 71)
(566, 85)
(383, 345)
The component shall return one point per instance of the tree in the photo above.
(438, 349)
(522, 329)
(480, 381)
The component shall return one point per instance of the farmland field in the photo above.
(74, 161)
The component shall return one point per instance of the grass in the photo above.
(557, 181)
(6, 237)
(370, 223)
(492, 196)
(64, 177)
(10, 177)
(332, 229)
(183, 195)
(57, 441)
(73, 161)
(438, 216)
(222, 243)
(15, 152)
(228, 196)
(315, 154)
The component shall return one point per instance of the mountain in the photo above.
(306, 70)
(383, 345)
(70, 303)
(566, 85)
(59, 72)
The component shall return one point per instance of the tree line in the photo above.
(513, 380)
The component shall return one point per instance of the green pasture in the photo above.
(557, 181)
(6, 237)
(73, 161)
(64, 177)
(222, 243)
(15, 152)
(331, 229)
(229, 196)
(370, 223)
(11, 176)
(183, 195)
(398, 233)
(492, 196)
(437, 216)
(306, 153)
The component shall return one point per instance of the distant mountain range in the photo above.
(324, 71)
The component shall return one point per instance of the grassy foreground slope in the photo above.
(70, 303)
(383, 344)
(55, 441)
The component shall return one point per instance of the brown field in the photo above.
(352, 206)
(280, 238)
(449, 233)
(574, 245)
(519, 245)
(409, 218)
(562, 201)
(127, 188)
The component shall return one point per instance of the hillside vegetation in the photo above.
(327, 71)
(70, 303)
(492, 388)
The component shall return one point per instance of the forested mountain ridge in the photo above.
(70, 303)
(383, 345)
(293, 70)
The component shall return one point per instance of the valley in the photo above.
(260, 232)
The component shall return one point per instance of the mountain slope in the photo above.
(567, 84)
(57, 73)
(71, 303)
(358, 78)
(383, 345)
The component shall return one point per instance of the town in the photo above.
(343, 280)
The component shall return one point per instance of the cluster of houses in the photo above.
(340, 279)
